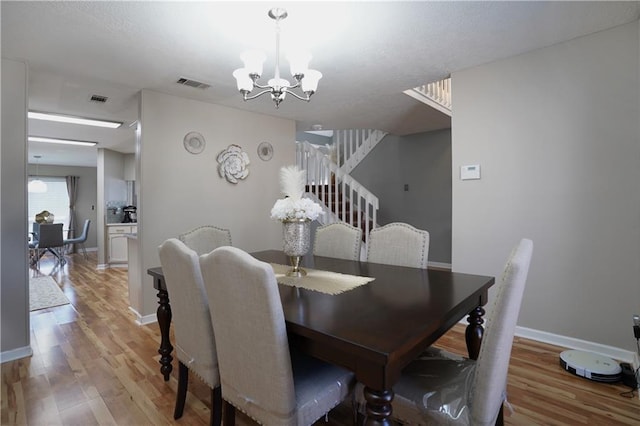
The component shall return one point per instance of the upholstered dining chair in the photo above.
(398, 244)
(206, 238)
(81, 239)
(339, 240)
(443, 388)
(195, 342)
(259, 375)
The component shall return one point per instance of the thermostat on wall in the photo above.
(470, 172)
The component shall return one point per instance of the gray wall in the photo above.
(14, 291)
(556, 134)
(86, 205)
(180, 191)
(422, 161)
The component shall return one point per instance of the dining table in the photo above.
(374, 329)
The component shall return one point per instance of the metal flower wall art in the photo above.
(233, 164)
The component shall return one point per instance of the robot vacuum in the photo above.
(591, 366)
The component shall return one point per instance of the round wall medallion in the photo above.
(265, 151)
(194, 142)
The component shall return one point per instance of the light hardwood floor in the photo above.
(92, 365)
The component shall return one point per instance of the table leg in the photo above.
(378, 406)
(164, 321)
(474, 332)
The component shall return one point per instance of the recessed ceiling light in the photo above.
(73, 120)
(62, 141)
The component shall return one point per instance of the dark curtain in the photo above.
(72, 191)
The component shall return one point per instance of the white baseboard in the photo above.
(14, 354)
(617, 354)
(144, 320)
(573, 343)
(103, 266)
(117, 265)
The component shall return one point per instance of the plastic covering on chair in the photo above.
(445, 389)
(435, 386)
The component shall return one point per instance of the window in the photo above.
(55, 200)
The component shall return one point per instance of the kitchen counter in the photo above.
(117, 236)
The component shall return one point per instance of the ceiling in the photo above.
(369, 53)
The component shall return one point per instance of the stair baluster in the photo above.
(340, 195)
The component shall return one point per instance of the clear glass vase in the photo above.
(296, 235)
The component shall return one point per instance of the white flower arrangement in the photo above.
(293, 206)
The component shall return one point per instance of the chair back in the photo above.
(35, 230)
(490, 380)
(50, 235)
(398, 244)
(85, 230)
(82, 237)
(253, 350)
(194, 339)
(338, 240)
(206, 238)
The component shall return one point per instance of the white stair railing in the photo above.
(436, 94)
(352, 145)
(342, 198)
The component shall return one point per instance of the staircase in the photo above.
(342, 198)
(436, 94)
(328, 182)
(352, 145)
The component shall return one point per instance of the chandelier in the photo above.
(247, 78)
(37, 185)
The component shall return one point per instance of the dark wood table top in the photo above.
(374, 330)
(378, 328)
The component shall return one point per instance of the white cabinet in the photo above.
(117, 242)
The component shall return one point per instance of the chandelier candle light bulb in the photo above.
(247, 77)
(296, 214)
(37, 185)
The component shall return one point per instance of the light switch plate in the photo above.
(470, 172)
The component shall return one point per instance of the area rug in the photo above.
(45, 293)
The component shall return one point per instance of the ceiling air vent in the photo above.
(98, 98)
(192, 83)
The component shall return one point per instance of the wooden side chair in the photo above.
(443, 388)
(259, 375)
(195, 343)
(206, 238)
(338, 240)
(398, 244)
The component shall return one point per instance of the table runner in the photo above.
(322, 281)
